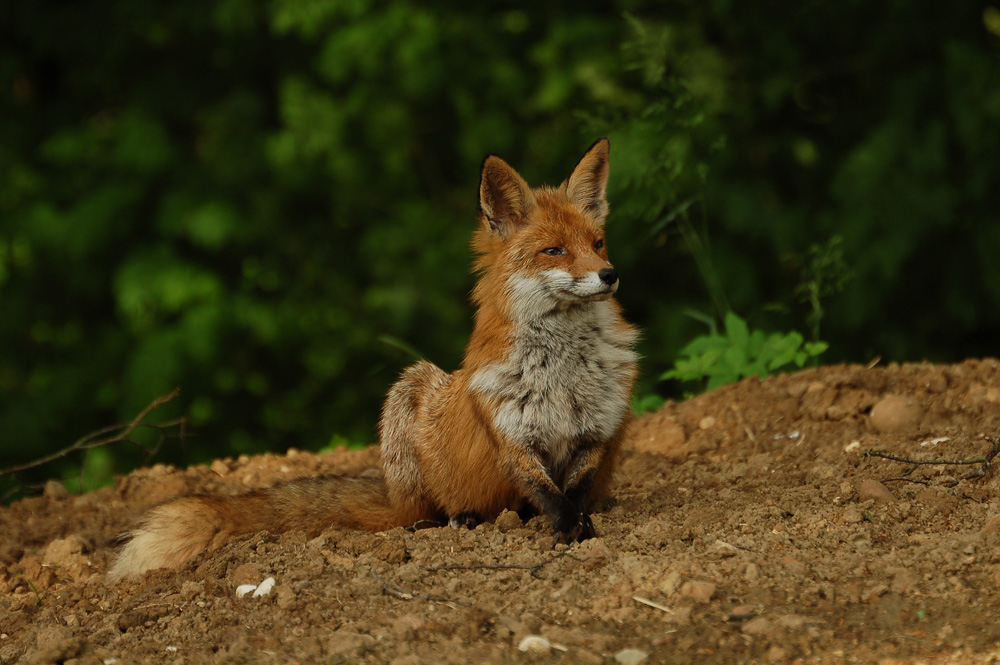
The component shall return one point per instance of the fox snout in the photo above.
(608, 275)
(598, 285)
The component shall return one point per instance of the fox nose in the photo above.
(608, 275)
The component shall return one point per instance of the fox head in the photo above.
(546, 244)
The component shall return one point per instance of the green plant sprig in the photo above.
(718, 359)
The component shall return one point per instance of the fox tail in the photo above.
(171, 534)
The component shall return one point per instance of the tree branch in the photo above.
(105, 436)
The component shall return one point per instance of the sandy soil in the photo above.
(748, 526)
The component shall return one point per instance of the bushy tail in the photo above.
(171, 534)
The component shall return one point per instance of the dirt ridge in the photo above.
(747, 526)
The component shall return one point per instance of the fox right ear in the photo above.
(504, 197)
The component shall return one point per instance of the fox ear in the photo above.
(504, 197)
(586, 184)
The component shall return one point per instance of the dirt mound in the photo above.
(748, 526)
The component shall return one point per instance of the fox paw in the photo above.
(466, 520)
(582, 530)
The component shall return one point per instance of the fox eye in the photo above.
(554, 251)
(599, 245)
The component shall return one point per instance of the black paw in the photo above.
(578, 531)
(466, 520)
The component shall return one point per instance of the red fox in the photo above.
(533, 420)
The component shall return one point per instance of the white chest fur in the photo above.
(566, 379)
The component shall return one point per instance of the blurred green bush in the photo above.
(267, 204)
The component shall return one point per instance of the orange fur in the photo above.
(534, 418)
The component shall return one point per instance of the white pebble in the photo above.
(852, 446)
(264, 588)
(535, 643)
(244, 589)
(631, 656)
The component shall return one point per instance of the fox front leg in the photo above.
(580, 483)
(527, 472)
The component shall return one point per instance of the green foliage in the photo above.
(716, 360)
(646, 403)
(269, 204)
(337, 441)
(95, 472)
(825, 275)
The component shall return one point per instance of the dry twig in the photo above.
(985, 462)
(120, 433)
(654, 605)
(412, 595)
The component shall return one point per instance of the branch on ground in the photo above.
(984, 462)
(412, 595)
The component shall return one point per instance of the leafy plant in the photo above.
(645, 403)
(718, 359)
(824, 275)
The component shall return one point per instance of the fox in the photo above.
(533, 420)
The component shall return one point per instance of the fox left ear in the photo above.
(586, 184)
(505, 200)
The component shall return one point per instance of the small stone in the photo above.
(776, 655)
(584, 657)
(244, 589)
(792, 622)
(991, 531)
(793, 565)
(702, 592)
(64, 550)
(347, 644)
(978, 394)
(895, 414)
(595, 554)
(58, 643)
(751, 573)
(55, 491)
(407, 626)
(741, 612)
(722, 550)
(874, 592)
(869, 488)
(531, 622)
(285, 597)
(191, 590)
(671, 582)
(534, 644)
(264, 588)
(664, 435)
(631, 656)
(708, 422)
(757, 626)
(508, 520)
(816, 387)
